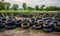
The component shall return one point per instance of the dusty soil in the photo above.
(27, 33)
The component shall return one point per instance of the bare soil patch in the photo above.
(27, 33)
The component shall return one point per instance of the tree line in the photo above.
(6, 6)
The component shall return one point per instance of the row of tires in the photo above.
(30, 15)
(47, 25)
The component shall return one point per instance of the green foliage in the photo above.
(42, 7)
(29, 8)
(37, 7)
(24, 6)
(51, 8)
(58, 8)
(15, 6)
(7, 5)
(2, 6)
(2, 0)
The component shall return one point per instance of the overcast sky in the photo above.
(35, 2)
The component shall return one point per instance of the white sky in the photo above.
(35, 2)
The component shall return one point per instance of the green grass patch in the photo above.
(28, 11)
(15, 11)
(17, 28)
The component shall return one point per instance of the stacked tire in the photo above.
(46, 23)
(1, 25)
(56, 25)
(32, 21)
(38, 25)
(10, 24)
(25, 23)
(48, 26)
(18, 23)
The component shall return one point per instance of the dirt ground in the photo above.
(27, 33)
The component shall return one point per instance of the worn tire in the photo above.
(40, 21)
(32, 21)
(3, 20)
(10, 24)
(2, 25)
(37, 26)
(56, 26)
(18, 23)
(48, 27)
(10, 27)
(49, 21)
(25, 25)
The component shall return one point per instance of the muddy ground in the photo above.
(27, 33)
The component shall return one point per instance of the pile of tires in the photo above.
(47, 17)
(10, 24)
(46, 23)
(24, 15)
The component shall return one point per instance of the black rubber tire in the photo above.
(38, 18)
(56, 25)
(2, 25)
(47, 18)
(58, 19)
(25, 25)
(18, 23)
(47, 15)
(49, 21)
(40, 21)
(3, 20)
(29, 15)
(10, 24)
(24, 20)
(37, 26)
(1, 15)
(10, 27)
(48, 27)
(32, 21)
(24, 15)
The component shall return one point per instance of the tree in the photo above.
(15, 6)
(2, 6)
(7, 5)
(29, 8)
(2, 0)
(58, 8)
(51, 8)
(36, 7)
(24, 6)
(42, 7)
